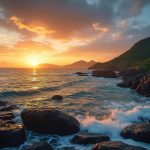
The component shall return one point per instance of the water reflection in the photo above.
(34, 72)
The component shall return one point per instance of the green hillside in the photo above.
(138, 56)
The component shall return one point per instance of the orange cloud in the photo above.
(97, 27)
(32, 28)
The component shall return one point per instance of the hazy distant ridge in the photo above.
(78, 64)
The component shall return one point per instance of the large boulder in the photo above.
(89, 138)
(49, 121)
(11, 135)
(40, 146)
(115, 146)
(104, 73)
(57, 97)
(137, 132)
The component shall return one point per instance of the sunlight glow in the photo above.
(33, 61)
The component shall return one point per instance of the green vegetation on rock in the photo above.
(138, 56)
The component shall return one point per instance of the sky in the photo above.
(64, 31)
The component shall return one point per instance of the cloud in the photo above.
(73, 27)
(97, 27)
(9, 38)
(40, 30)
(131, 8)
(93, 2)
(60, 45)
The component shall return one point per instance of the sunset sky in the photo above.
(64, 31)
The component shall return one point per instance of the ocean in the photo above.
(99, 105)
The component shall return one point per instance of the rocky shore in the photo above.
(51, 121)
(139, 80)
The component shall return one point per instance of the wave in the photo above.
(18, 93)
(117, 120)
(27, 92)
(36, 91)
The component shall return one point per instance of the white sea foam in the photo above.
(117, 120)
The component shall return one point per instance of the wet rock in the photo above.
(139, 81)
(67, 148)
(40, 146)
(82, 74)
(104, 73)
(144, 86)
(11, 135)
(6, 115)
(3, 103)
(137, 132)
(49, 121)
(89, 138)
(132, 73)
(115, 146)
(57, 97)
(8, 108)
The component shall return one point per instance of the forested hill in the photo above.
(138, 56)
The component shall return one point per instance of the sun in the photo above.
(33, 61)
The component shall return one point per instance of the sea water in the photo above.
(99, 105)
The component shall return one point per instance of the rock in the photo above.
(125, 83)
(89, 138)
(139, 81)
(82, 74)
(6, 115)
(40, 146)
(49, 121)
(11, 135)
(8, 108)
(3, 103)
(115, 146)
(137, 132)
(104, 74)
(132, 73)
(57, 97)
(67, 148)
(144, 86)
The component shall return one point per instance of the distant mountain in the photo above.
(138, 56)
(80, 64)
(48, 66)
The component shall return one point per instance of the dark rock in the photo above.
(139, 81)
(125, 83)
(6, 115)
(105, 74)
(8, 108)
(67, 148)
(144, 86)
(3, 103)
(82, 74)
(40, 146)
(11, 135)
(115, 146)
(89, 138)
(49, 121)
(137, 132)
(57, 97)
(132, 73)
